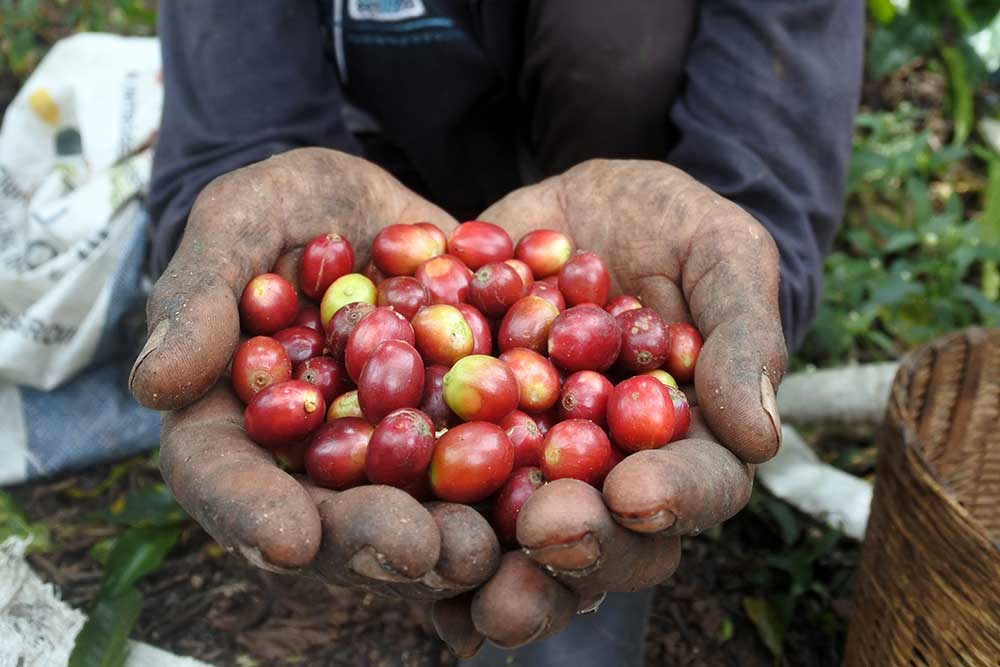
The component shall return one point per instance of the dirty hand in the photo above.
(375, 537)
(692, 256)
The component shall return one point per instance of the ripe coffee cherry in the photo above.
(393, 378)
(682, 413)
(577, 449)
(399, 249)
(345, 405)
(400, 448)
(326, 373)
(584, 338)
(380, 325)
(621, 304)
(258, 363)
(442, 334)
(523, 270)
(326, 258)
(537, 379)
(301, 343)
(338, 330)
(470, 462)
(511, 498)
(480, 388)
(544, 250)
(640, 414)
(685, 346)
(477, 243)
(585, 395)
(527, 324)
(482, 339)
(545, 421)
(440, 240)
(268, 304)
(404, 293)
(344, 290)
(372, 273)
(585, 279)
(309, 317)
(283, 414)
(446, 279)
(494, 289)
(549, 293)
(645, 339)
(432, 402)
(523, 433)
(335, 457)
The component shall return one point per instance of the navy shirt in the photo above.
(764, 114)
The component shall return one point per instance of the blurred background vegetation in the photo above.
(917, 256)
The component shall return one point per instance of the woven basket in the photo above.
(928, 589)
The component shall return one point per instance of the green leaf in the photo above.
(13, 523)
(767, 620)
(882, 11)
(990, 280)
(152, 505)
(103, 640)
(137, 552)
(786, 518)
(101, 550)
(960, 90)
(989, 221)
(898, 43)
(726, 630)
(116, 473)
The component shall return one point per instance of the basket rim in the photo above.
(897, 417)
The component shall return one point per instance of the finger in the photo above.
(566, 527)
(453, 622)
(521, 604)
(216, 473)
(730, 282)
(238, 227)
(726, 265)
(375, 536)
(470, 551)
(681, 489)
(287, 266)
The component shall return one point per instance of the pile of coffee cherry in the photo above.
(464, 369)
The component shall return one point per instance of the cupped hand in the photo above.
(693, 256)
(375, 537)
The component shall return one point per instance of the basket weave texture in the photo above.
(928, 587)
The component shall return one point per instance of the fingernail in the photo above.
(254, 556)
(435, 581)
(654, 522)
(575, 558)
(467, 651)
(540, 630)
(371, 564)
(152, 343)
(591, 606)
(770, 405)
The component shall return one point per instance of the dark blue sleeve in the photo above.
(242, 81)
(766, 120)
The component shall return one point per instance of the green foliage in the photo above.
(13, 523)
(154, 522)
(913, 257)
(103, 640)
(805, 567)
(29, 27)
(917, 255)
